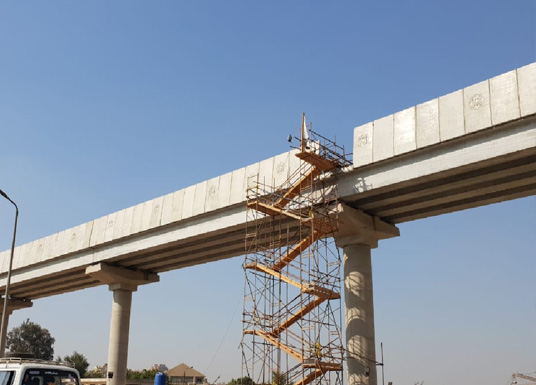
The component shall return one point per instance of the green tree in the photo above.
(79, 361)
(145, 374)
(30, 337)
(279, 378)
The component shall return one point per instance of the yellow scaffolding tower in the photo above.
(292, 308)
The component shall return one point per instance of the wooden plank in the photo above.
(267, 270)
(316, 160)
(299, 248)
(310, 377)
(276, 343)
(320, 291)
(298, 315)
(296, 189)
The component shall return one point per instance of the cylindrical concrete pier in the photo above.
(122, 282)
(359, 315)
(359, 233)
(119, 334)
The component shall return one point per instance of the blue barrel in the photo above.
(160, 379)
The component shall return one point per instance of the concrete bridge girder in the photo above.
(472, 147)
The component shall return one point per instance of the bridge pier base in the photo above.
(358, 234)
(122, 282)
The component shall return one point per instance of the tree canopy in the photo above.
(30, 337)
(79, 361)
(145, 374)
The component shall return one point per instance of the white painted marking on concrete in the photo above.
(211, 200)
(156, 212)
(110, 225)
(280, 169)
(477, 110)
(363, 144)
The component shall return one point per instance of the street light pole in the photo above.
(3, 326)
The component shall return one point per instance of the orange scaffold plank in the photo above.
(310, 377)
(270, 210)
(312, 289)
(321, 368)
(296, 189)
(301, 246)
(324, 366)
(316, 160)
(298, 315)
(323, 225)
(267, 270)
(307, 288)
(278, 344)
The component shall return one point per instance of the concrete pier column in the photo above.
(119, 335)
(358, 234)
(122, 282)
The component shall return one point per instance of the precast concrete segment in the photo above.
(481, 106)
(408, 165)
(422, 174)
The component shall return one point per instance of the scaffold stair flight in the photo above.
(298, 201)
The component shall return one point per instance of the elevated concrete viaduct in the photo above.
(472, 147)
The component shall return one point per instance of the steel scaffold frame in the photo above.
(292, 303)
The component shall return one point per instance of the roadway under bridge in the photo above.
(472, 147)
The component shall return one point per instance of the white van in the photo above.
(31, 371)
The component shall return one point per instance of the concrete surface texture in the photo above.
(490, 103)
(469, 148)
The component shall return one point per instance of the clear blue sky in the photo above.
(105, 104)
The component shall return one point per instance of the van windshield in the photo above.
(35, 376)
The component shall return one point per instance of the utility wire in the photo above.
(225, 335)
